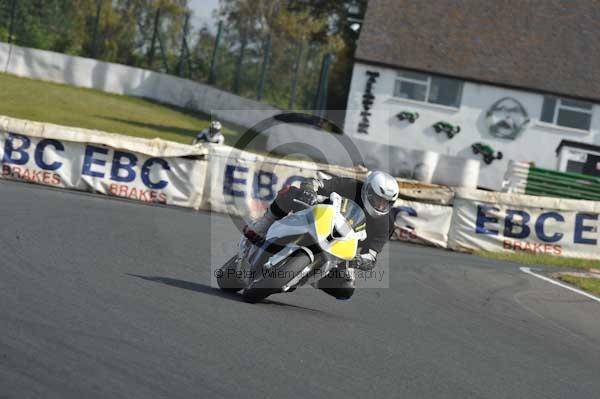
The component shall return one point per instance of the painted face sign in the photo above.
(506, 118)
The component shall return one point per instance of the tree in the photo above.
(302, 32)
(110, 30)
(41, 24)
(297, 46)
(342, 13)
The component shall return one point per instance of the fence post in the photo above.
(162, 53)
(212, 78)
(11, 27)
(96, 26)
(183, 45)
(321, 97)
(263, 69)
(295, 76)
(238, 65)
(154, 34)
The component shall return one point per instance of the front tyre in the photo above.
(227, 276)
(272, 281)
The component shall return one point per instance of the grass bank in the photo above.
(541, 259)
(72, 106)
(589, 284)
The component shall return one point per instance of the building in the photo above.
(488, 80)
(576, 157)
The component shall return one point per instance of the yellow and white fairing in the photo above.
(330, 225)
(336, 234)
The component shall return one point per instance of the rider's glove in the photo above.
(308, 197)
(311, 184)
(303, 198)
(364, 261)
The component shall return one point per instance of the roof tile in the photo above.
(544, 45)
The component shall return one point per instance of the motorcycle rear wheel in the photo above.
(271, 282)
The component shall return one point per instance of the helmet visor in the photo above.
(379, 203)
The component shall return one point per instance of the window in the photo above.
(568, 113)
(432, 89)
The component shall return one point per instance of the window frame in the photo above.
(559, 106)
(427, 83)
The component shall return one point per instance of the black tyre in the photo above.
(437, 129)
(450, 135)
(488, 159)
(475, 150)
(499, 156)
(226, 277)
(271, 282)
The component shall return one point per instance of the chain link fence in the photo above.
(286, 74)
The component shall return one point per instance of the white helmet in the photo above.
(215, 127)
(379, 192)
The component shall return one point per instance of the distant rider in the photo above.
(210, 135)
(375, 196)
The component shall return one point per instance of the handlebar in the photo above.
(320, 198)
(301, 203)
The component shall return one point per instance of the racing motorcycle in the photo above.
(299, 249)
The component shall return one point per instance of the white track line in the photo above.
(528, 271)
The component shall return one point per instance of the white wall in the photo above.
(121, 79)
(536, 143)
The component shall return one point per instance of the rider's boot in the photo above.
(339, 283)
(256, 230)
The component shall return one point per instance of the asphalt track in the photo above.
(103, 298)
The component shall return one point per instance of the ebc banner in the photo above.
(101, 169)
(244, 184)
(505, 227)
(421, 223)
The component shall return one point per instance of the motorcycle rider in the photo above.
(211, 135)
(375, 196)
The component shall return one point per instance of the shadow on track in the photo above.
(207, 289)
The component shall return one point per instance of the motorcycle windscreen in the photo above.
(354, 215)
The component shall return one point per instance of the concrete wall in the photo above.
(121, 79)
(536, 143)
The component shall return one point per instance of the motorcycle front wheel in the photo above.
(227, 278)
(272, 281)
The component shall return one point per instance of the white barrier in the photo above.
(501, 222)
(77, 159)
(422, 223)
(515, 178)
(151, 147)
(226, 180)
(243, 183)
(217, 178)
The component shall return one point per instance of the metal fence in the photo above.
(283, 74)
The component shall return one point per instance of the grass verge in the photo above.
(541, 259)
(589, 284)
(40, 101)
